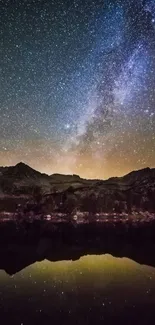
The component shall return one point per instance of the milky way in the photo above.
(77, 85)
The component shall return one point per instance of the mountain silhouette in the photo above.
(136, 189)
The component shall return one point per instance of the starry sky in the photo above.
(77, 85)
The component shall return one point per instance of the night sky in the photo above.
(77, 85)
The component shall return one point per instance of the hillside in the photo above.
(21, 183)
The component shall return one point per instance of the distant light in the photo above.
(48, 217)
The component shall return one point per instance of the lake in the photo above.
(96, 289)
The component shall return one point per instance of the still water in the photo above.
(97, 289)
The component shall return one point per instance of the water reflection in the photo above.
(90, 290)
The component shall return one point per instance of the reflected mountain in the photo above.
(94, 289)
(16, 256)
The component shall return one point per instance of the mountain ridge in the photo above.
(21, 166)
(135, 190)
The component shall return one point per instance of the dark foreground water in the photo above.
(97, 289)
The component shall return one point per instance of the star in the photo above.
(77, 86)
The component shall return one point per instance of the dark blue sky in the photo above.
(77, 82)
